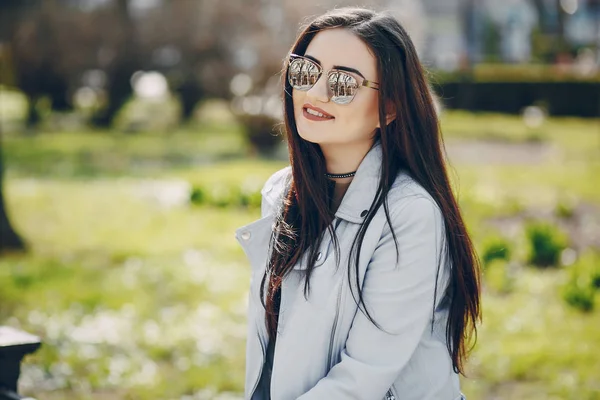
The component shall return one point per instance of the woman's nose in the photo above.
(320, 90)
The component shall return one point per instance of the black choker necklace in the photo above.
(347, 175)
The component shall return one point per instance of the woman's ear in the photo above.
(390, 117)
(390, 114)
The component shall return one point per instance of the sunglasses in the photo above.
(303, 73)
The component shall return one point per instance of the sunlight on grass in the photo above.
(138, 293)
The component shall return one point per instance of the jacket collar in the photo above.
(358, 197)
(360, 194)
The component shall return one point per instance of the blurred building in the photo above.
(472, 31)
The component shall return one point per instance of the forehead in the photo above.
(339, 46)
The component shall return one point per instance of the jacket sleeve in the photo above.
(399, 296)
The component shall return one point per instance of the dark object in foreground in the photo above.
(14, 345)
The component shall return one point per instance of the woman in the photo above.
(365, 283)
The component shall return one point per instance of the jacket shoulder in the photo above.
(274, 188)
(406, 190)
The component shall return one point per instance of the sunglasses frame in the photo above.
(366, 83)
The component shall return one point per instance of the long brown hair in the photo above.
(411, 143)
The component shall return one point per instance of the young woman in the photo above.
(365, 283)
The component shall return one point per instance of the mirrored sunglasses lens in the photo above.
(303, 74)
(343, 87)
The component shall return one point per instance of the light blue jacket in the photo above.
(326, 348)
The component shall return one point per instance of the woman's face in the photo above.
(351, 123)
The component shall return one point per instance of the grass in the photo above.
(140, 295)
(532, 346)
(108, 275)
(90, 154)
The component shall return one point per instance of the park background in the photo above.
(136, 136)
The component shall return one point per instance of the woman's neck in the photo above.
(341, 158)
(339, 190)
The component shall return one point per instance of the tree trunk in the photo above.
(542, 14)
(9, 239)
(561, 43)
(126, 63)
(468, 15)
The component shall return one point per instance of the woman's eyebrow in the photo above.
(340, 67)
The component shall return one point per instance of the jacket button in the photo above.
(246, 235)
(364, 213)
(319, 256)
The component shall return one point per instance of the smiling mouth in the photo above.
(315, 115)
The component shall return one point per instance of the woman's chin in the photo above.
(312, 137)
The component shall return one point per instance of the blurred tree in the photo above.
(187, 26)
(201, 45)
(552, 25)
(469, 15)
(58, 46)
(120, 60)
(561, 42)
(491, 41)
(49, 59)
(34, 50)
(9, 239)
(594, 6)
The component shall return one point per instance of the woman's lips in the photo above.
(312, 117)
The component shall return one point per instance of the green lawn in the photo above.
(139, 294)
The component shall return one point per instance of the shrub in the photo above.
(226, 196)
(579, 296)
(223, 196)
(143, 115)
(250, 199)
(498, 276)
(495, 247)
(546, 242)
(250, 195)
(596, 279)
(261, 132)
(595, 275)
(588, 265)
(565, 208)
(562, 98)
(584, 281)
(198, 195)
